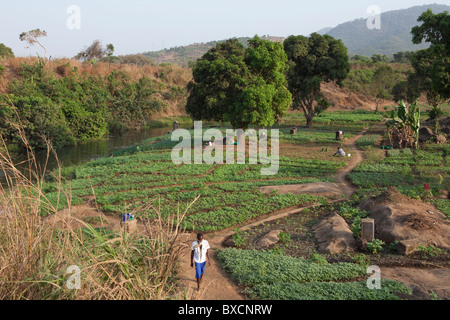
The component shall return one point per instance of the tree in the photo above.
(383, 81)
(380, 58)
(421, 79)
(435, 30)
(243, 86)
(32, 37)
(312, 61)
(95, 52)
(5, 52)
(403, 56)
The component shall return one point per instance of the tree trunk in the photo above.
(309, 121)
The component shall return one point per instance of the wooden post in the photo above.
(367, 230)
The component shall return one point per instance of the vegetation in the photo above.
(278, 277)
(5, 52)
(38, 260)
(69, 102)
(95, 52)
(312, 61)
(242, 86)
(434, 30)
(32, 38)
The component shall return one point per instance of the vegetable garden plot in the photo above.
(229, 193)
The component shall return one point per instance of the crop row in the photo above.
(327, 291)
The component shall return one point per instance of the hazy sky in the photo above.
(135, 26)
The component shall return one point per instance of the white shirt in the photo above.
(200, 255)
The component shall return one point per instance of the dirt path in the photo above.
(216, 284)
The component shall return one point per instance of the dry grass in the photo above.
(34, 257)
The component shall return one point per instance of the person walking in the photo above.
(199, 256)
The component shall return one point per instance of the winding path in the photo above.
(216, 284)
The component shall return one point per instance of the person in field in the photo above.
(340, 153)
(199, 256)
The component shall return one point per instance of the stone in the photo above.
(425, 134)
(367, 230)
(269, 239)
(444, 122)
(406, 247)
(440, 139)
(334, 235)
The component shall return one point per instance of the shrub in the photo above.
(375, 246)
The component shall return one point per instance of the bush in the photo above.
(375, 246)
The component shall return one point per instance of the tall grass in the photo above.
(35, 256)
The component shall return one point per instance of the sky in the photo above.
(137, 26)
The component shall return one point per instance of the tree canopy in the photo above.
(5, 52)
(245, 86)
(312, 61)
(95, 52)
(435, 29)
(32, 37)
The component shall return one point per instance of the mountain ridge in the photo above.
(393, 36)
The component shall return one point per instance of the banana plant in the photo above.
(405, 121)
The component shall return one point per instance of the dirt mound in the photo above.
(334, 235)
(317, 188)
(77, 216)
(401, 218)
(269, 239)
(422, 281)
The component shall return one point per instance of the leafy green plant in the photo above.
(430, 250)
(238, 238)
(285, 237)
(361, 259)
(317, 258)
(375, 246)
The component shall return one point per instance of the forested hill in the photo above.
(183, 54)
(393, 36)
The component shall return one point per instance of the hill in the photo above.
(393, 36)
(184, 54)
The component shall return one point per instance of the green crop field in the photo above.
(271, 276)
(229, 194)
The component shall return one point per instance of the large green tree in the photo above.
(435, 29)
(312, 61)
(383, 81)
(243, 86)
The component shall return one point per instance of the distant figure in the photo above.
(262, 136)
(111, 155)
(340, 152)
